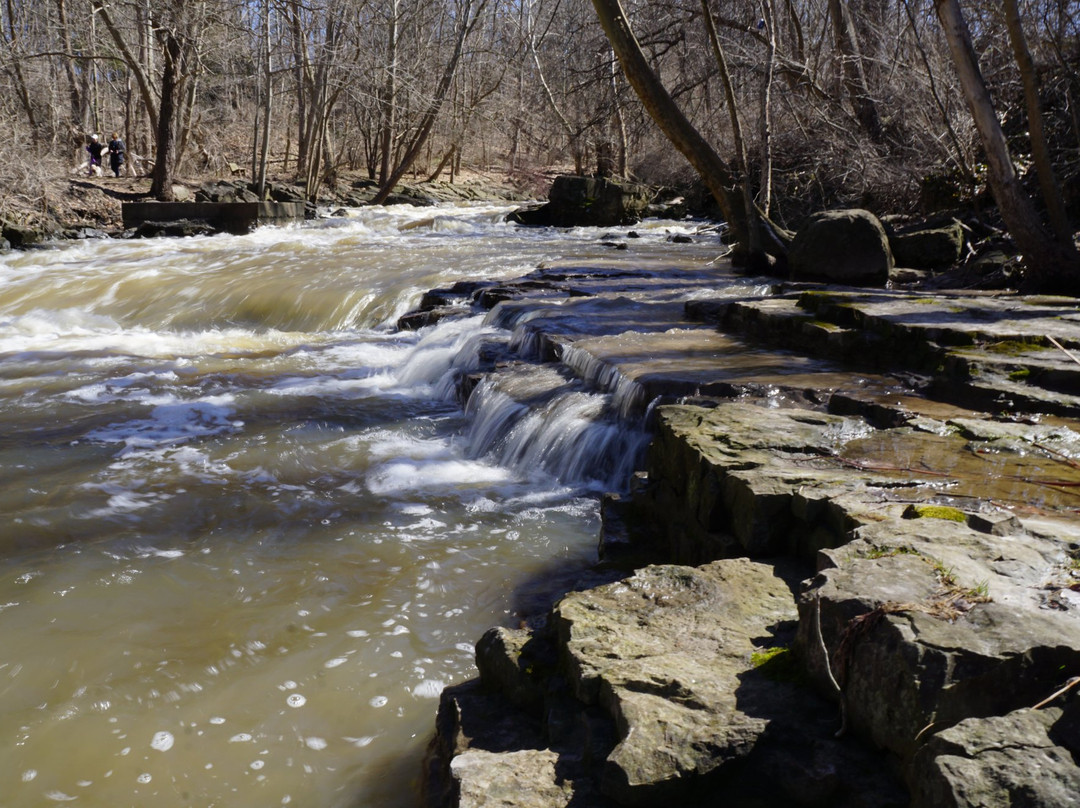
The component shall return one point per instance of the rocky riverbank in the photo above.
(90, 207)
(848, 575)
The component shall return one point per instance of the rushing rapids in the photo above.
(248, 531)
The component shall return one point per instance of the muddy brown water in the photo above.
(244, 539)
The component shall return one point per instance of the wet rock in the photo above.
(933, 248)
(410, 197)
(844, 246)
(516, 664)
(415, 320)
(736, 479)
(673, 684)
(587, 201)
(534, 215)
(176, 229)
(929, 622)
(1017, 759)
(676, 704)
(20, 236)
(939, 611)
(80, 233)
(522, 779)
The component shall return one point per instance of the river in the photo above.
(248, 534)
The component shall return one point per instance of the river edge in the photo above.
(817, 564)
(80, 207)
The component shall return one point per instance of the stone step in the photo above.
(676, 683)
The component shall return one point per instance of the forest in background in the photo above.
(838, 102)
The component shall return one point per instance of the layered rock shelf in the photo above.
(847, 573)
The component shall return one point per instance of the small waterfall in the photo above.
(533, 419)
(445, 352)
(574, 439)
(492, 414)
(628, 396)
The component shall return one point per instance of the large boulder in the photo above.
(928, 248)
(691, 664)
(930, 621)
(842, 246)
(1025, 758)
(20, 236)
(587, 202)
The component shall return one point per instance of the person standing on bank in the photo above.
(116, 153)
(95, 148)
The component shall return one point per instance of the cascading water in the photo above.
(247, 532)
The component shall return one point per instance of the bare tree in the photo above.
(1051, 264)
(1040, 149)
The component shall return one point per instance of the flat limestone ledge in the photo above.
(232, 217)
(995, 353)
(742, 479)
(673, 685)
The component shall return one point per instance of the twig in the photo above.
(828, 667)
(1073, 682)
(1063, 349)
(923, 730)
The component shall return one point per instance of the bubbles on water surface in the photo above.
(162, 741)
(429, 689)
(448, 529)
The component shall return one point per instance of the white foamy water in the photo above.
(247, 533)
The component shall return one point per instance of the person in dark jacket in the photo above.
(116, 153)
(94, 149)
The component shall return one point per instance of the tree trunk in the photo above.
(141, 76)
(268, 101)
(622, 152)
(753, 229)
(161, 187)
(1051, 266)
(77, 107)
(304, 83)
(660, 106)
(17, 74)
(765, 121)
(466, 20)
(388, 99)
(1040, 150)
(858, 91)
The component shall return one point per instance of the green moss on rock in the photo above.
(935, 512)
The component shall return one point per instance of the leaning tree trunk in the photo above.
(267, 107)
(667, 115)
(1051, 265)
(77, 106)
